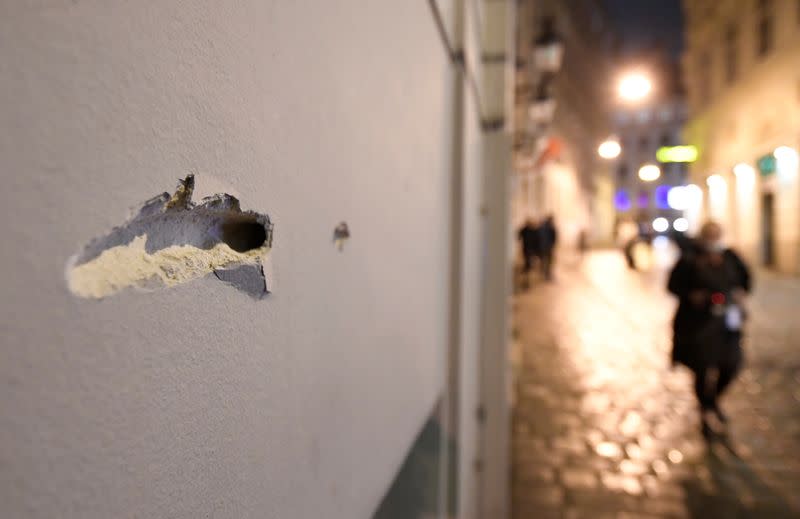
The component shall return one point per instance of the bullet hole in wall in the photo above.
(243, 236)
(341, 234)
(171, 240)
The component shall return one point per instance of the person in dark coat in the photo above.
(529, 236)
(548, 237)
(705, 343)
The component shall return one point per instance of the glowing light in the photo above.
(634, 87)
(649, 172)
(678, 198)
(643, 200)
(610, 149)
(660, 224)
(786, 155)
(788, 162)
(677, 154)
(743, 170)
(745, 174)
(661, 242)
(662, 197)
(694, 196)
(716, 182)
(767, 165)
(681, 225)
(622, 201)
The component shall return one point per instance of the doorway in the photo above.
(768, 229)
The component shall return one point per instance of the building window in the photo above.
(764, 18)
(644, 116)
(643, 143)
(731, 43)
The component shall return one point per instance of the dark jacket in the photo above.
(694, 272)
(529, 236)
(548, 236)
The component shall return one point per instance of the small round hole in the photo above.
(243, 236)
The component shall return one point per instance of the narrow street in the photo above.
(603, 426)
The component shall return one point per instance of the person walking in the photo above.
(529, 237)
(627, 234)
(711, 282)
(548, 237)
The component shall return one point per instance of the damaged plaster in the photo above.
(171, 240)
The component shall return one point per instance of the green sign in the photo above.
(676, 154)
(767, 165)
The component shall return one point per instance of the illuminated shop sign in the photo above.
(677, 154)
(767, 165)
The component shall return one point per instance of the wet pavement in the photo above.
(604, 427)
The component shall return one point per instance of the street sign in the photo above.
(767, 165)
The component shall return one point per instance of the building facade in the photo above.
(557, 170)
(742, 68)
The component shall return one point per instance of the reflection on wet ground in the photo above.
(604, 427)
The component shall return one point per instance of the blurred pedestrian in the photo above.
(548, 237)
(529, 237)
(627, 234)
(711, 282)
(583, 242)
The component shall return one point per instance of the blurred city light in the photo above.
(610, 149)
(716, 182)
(622, 201)
(694, 196)
(660, 224)
(548, 51)
(543, 108)
(678, 198)
(649, 172)
(786, 155)
(662, 197)
(661, 242)
(634, 87)
(677, 154)
(681, 225)
(787, 162)
(745, 174)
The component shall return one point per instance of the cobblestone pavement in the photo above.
(603, 427)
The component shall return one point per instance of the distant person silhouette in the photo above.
(548, 237)
(529, 236)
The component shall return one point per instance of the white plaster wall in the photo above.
(198, 401)
(472, 264)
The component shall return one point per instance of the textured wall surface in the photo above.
(198, 401)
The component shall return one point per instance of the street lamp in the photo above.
(548, 49)
(610, 149)
(634, 87)
(543, 107)
(649, 172)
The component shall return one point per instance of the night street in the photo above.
(604, 427)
